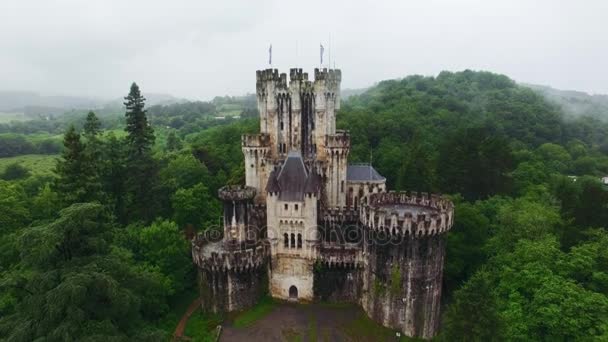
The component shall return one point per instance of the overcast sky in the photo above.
(199, 49)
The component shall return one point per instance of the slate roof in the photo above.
(292, 180)
(362, 173)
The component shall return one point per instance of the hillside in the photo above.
(575, 103)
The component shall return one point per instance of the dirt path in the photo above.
(181, 326)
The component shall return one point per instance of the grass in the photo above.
(38, 164)
(202, 327)
(248, 317)
(365, 329)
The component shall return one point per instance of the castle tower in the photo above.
(238, 207)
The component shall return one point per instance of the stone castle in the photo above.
(307, 226)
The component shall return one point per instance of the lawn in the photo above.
(248, 317)
(38, 164)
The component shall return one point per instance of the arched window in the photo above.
(286, 241)
(293, 240)
(299, 240)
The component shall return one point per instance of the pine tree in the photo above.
(92, 125)
(69, 183)
(141, 166)
(140, 133)
(173, 142)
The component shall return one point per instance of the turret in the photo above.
(238, 206)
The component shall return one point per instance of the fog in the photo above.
(200, 49)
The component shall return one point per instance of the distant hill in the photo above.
(575, 103)
(348, 92)
(33, 104)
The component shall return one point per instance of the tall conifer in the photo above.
(141, 167)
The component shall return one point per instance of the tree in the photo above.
(474, 314)
(92, 125)
(195, 207)
(113, 174)
(72, 286)
(15, 171)
(77, 178)
(173, 142)
(475, 163)
(162, 245)
(141, 166)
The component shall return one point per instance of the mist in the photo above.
(201, 49)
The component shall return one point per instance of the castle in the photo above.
(307, 226)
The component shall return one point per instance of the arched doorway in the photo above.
(293, 292)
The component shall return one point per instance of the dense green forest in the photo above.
(97, 249)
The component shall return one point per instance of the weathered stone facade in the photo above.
(308, 226)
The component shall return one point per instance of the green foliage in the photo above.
(70, 285)
(395, 281)
(162, 246)
(474, 315)
(77, 180)
(195, 207)
(142, 169)
(15, 171)
(92, 125)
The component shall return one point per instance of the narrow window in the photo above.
(299, 240)
(282, 125)
(342, 186)
(296, 206)
(286, 206)
(293, 240)
(286, 241)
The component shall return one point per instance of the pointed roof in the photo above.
(292, 180)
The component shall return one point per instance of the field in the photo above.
(38, 164)
(8, 117)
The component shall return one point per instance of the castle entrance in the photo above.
(293, 293)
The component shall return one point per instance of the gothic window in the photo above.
(299, 240)
(296, 207)
(286, 206)
(282, 127)
(342, 187)
(293, 240)
(286, 240)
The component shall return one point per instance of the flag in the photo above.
(270, 55)
(322, 49)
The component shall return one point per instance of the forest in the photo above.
(97, 248)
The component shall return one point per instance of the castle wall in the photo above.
(288, 271)
(231, 290)
(337, 283)
(402, 283)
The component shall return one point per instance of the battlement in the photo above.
(339, 140)
(236, 193)
(255, 140)
(332, 75)
(346, 255)
(330, 78)
(215, 257)
(296, 74)
(402, 213)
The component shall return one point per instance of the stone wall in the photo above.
(337, 283)
(230, 290)
(402, 282)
